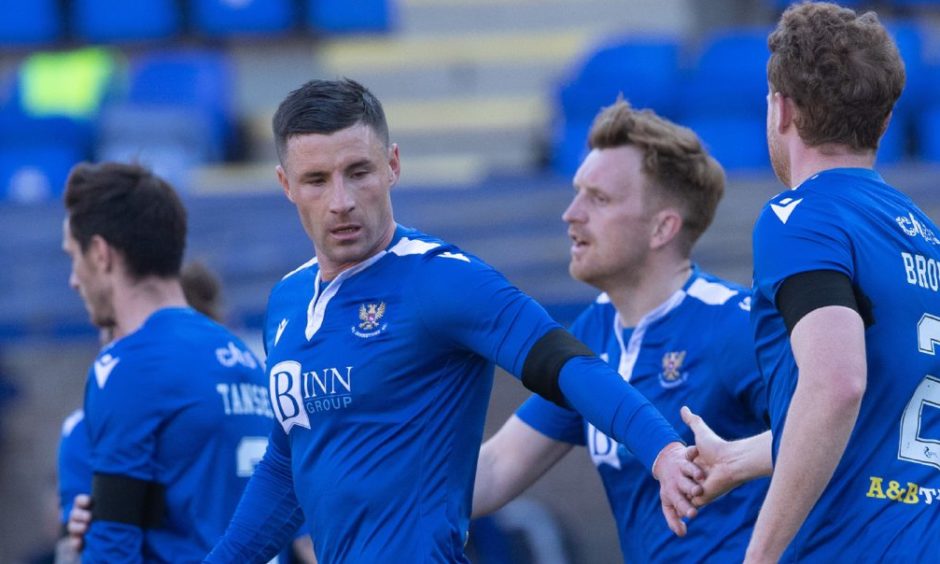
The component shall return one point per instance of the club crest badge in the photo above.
(370, 320)
(672, 374)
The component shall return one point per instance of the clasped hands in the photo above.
(692, 476)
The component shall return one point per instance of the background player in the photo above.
(643, 196)
(175, 407)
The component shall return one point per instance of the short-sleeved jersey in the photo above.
(74, 465)
(181, 402)
(881, 504)
(381, 379)
(695, 349)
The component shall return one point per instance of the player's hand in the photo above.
(678, 483)
(713, 456)
(79, 520)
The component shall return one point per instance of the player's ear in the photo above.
(100, 253)
(667, 223)
(784, 111)
(282, 180)
(394, 163)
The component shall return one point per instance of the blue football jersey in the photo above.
(695, 349)
(74, 465)
(881, 504)
(181, 402)
(381, 380)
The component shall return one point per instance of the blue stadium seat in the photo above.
(739, 143)
(730, 76)
(343, 16)
(569, 144)
(246, 17)
(29, 23)
(928, 135)
(177, 113)
(196, 79)
(645, 70)
(114, 21)
(34, 174)
(36, 152)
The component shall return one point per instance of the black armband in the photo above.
(545, 360)
(123, 499)
(807, 291)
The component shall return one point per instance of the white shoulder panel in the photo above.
(71, 421)
(712, 293)
(407, 246)
(309, 263)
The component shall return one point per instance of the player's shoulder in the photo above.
(721, 297)
(299, 277)
(430, 258)
(72, 422)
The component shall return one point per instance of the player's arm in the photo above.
(123, 416)
(268, 513)
(511, 461)
(727, 464)
(828, 342)
(496, 320)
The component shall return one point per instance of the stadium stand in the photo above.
(28, 24)
(119, 21)
(224, 18)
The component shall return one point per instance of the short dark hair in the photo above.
(135, 211)
(202, 289)
(325, 107)
(842, 70)
(677, 166)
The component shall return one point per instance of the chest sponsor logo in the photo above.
(912, 227)
(297, 394)
(370, 320)
(603, 449)
(231, 356)
(672, 374)
(784, 208)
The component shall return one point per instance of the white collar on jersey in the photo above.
(316, 310)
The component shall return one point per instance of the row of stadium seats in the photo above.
(44, 22)
(170, 109)
(721, 95)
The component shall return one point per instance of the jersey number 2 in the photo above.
(913, 448)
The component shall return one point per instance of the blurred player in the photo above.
(643, 196)
(846, 312)
(380, 358)
(176, 410)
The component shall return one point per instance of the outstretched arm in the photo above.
(727, 464)
(511, 461)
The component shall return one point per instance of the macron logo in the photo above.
(280, 331)
(103, 368)
(785, 208)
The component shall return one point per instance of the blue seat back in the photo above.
(247, 17)
(115, 21)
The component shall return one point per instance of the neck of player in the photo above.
(636, 298)
(808, 161)
(135, 301)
